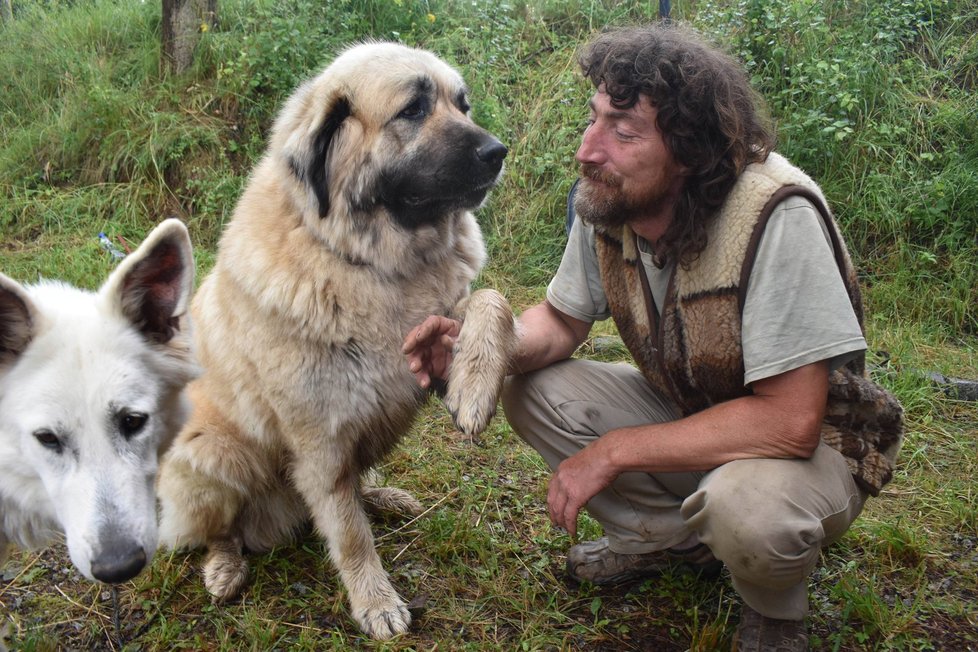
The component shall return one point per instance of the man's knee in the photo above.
(513, 393)
(532, 395)
(515, 399)
(759, 535)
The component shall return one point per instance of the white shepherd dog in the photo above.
(91, 393)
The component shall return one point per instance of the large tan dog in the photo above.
(354, 227)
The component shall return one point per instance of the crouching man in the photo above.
(748, 435)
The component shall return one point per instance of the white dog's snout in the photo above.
(118, 559)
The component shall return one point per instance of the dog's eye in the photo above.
(463, 104)
(132, 422)
(415, 110)
(48, 439)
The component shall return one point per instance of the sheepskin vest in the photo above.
(690, 349)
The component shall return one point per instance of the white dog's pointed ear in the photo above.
(152, 285)
(17, 319)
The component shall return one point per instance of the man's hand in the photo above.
(578, 479)
(428, 347)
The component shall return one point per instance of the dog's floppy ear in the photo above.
(152, 285)
(17, 319)
(313, 170)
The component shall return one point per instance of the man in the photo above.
(748, 435)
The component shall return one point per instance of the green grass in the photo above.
(875, 99)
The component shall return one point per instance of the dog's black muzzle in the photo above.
(454, 172)
(492, 154)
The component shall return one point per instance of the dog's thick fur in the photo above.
(91, 393)
(353, 228)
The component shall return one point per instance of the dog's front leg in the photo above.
(480, 360)
(225, 568)
(340, 518)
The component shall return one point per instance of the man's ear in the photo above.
(152, 285)
(18, 320)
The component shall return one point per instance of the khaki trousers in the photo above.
(765, 519)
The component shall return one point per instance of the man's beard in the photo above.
(601, 200)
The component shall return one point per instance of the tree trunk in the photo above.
(183, 21)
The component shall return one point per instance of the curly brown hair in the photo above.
(711, 119)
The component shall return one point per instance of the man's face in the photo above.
(628, 172)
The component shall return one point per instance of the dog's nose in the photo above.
(492, 152)
(119, 561)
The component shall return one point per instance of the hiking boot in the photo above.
(757, 633)
(595, 562)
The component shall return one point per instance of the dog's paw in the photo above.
(225, 571)
(473, 387)
(480, 361)
(390, 500)
(470, 405)
(383, 619)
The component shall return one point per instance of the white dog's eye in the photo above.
(48, 439)
(132, 422)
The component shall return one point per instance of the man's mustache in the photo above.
(593, 172)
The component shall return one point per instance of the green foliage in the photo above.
(876, 100)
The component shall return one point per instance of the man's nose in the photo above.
(590, 150)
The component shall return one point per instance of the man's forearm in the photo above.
(781, 420)
(545, 336)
